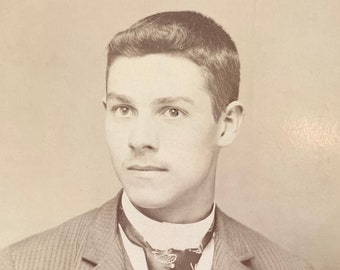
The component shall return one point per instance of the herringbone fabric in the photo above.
(92, 241)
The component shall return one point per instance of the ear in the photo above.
(104, 102)
(229, 122)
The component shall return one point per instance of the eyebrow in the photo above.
(162, 100)
(166, 100)
(120, 98)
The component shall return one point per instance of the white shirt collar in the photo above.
(164, 235)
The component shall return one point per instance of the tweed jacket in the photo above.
(92, 242)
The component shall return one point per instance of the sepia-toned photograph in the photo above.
(159, 135)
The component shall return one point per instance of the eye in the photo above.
(123, 111)
(172, 113)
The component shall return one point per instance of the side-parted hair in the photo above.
(193, 36)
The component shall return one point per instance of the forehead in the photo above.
(154, 76)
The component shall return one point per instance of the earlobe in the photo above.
(230, 121)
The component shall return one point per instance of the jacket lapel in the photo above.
(103, 247)
(231, 251)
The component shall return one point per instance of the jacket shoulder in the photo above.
(267, 255)
(56, 248)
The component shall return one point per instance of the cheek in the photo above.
(116, 137)
(190, 138)
(190, 147)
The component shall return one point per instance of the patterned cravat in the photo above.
(165, 259)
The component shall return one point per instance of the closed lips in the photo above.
(146, 168)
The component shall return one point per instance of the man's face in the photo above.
(161, 131)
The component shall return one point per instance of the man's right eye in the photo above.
(123, 111)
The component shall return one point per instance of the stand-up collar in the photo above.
(164, 235)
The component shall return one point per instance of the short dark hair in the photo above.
(193, 36)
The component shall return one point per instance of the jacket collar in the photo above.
(104, 249)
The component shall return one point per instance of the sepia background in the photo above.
(281, 175)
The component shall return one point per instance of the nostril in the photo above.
(141, 147)
(131, 147)
(149, 147)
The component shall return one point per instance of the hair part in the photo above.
(193, 36)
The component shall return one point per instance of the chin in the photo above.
(150, 199)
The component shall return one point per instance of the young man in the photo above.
(171, 105)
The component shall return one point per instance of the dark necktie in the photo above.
(165, 259)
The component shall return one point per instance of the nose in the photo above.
(143, 136)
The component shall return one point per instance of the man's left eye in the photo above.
(172, 113)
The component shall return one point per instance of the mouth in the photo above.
(146, 168)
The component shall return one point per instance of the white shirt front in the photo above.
(164, 235)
